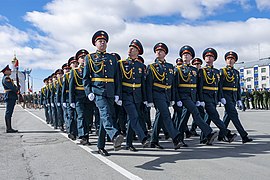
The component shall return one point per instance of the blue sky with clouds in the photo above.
(44, 34)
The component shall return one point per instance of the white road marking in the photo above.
(113, 165)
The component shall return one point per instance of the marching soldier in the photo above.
(48, 97)
(65, 95)
(70, 112)
(78, 99)
(133, 92)
(58, 94)
(186, 92)
(160, 94)
(52, 99)
(145, 110)
(43, 99)
(120, 116)
(10, 97)
(230, 88)
(102, 84)
(209, 94)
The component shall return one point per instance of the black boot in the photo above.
(8, 125)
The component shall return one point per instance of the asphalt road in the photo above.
(40, 152)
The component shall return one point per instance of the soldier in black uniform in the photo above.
(230, 88)
(209, 94)
(133, 92)
(160, 94)
(186, 92)
(10, 97)
(101, 82)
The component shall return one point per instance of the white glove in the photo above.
(179, 103)
(119, 102)
(239, 103)
(91, 96)
(202, 103)
(58, 104)
(48, 105)
(198, 103)
(223, 101)
(116, 99)
(52, 104)
(64, 105)
(72, 105)
(172, 103)
(150, 105)
(145, 102)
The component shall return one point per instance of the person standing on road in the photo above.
(10, 97)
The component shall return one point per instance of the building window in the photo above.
(248, 71)
(263, 85)
(263, 78)
(263, 70)
(256, 79)
(249, 86)
(248, 79)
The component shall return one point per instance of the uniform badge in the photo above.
(194, 73)
(140, 70)
(95, 56)
(171, 71)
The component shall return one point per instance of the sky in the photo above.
(44, 34)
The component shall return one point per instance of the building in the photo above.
(255, 74)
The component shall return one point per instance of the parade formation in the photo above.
(114, 96)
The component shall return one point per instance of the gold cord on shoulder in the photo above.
(129, 74)
(159, 77)
(209, 80)
(227, 77)
(182, 76)
(92, 64)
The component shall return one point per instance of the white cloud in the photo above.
(69, 26)
(263, 4)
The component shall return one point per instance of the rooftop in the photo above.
(260, 62)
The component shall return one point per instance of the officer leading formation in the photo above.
(113, 95)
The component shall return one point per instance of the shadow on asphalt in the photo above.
(198, 151)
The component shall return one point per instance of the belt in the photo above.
(132, 85)
(102, 80)
(210, 88)
(79, 88)
(162, 86)
(188, 85)
(229, 89)
(7, 90)
(67, 91)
